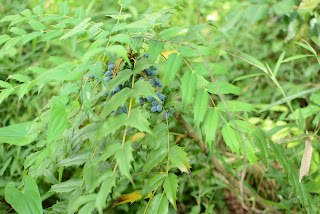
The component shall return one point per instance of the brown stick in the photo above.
(220, 168)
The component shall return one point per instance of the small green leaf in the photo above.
(315, 98)
(38, 10)
(105, 190)
(308, 4)
(142, 88)
(231, 139)
(120, 17)
(18, 31)
(20, 77)
(122, 38)
(179, 158)
(280, 60)
(4, 38)
(51, 35)
(297, 57)
(80, 13)
(118, 100)
(30, 37)
(256, 12)
(78, 29)
(138, 120)
(173, 65)
(200, 104)
(210, 126)
(235, 106)
(64, 8)
(158, 204)
(58, 121)
(66, 186)
(19, 134)
(12, 42)
(156, 48)
(188, 87)
(224, 88)
(170, 188)
(112, 124)
(36, 25)
(4, 84)
(154, 158)
(119, 50)
(124, 158)
(121, 78)
(28, 201)
(5, 94)
(153, 184)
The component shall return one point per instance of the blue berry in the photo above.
(105, 102)
(108, 73)
(141, 100)
(155, 68)
(154, 103)
(148, 71)
(154, 73)
(112, 113)
(166, 115)
(141, 78)
(139, 58)
(91, 76)
(158, 94)
(149, 98)
(106, 93)
(109, 63)
(154, 109)
(162, 97)
(171, 110)
(111, 67)
(159, 108)
(146, 55)
(98, 81)
(157, 81)
(107, 79)
(120, 111)
(151, 82)
(160, 85)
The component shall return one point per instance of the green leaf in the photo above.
(297, 57)
(121, 78)
(154, 158)
(224, 88)
(78, 29)
(170, 188)
(231, 139)
(152, 184)
(173, 65)
(118, 100)
(186, 51)
(4, 38)
(18, 31)
(210, 126)
(5, 94)
(201, 69)
(66, 186)
(36, 25)
(28, 201)
(75, 160)
(4, 84)
(235, 106)
(19, 134)
(249, 76)
(80, 13)
(125, 3)
(308, 4)
(30, 37)
(179, 158)
(143, 88)
(12, 42)
(138, 120)
(10, 18)
(124, 158)
(256, 12)
(121, 38)
(315, 98)
(307, 47)
(158, 204)
(188, 87)
(173, 32)
(51, 35)
(280, 60)
(112, 124)
(200, 104)
(156, 48)
(283, 7)
(38, 10)
(119, 50)
(141, 65)
(105, 189)
(111, 150)
(64, 8)
(58, 121)
(253, 61)
(20, 77)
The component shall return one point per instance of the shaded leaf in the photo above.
(158, 204)
(66, 186)
(78, 29)
(154, 158)
(188, 87)
(153, 183)
(19, 134)
(36, 25)
(173, 65)
(200, 104)
(119, 50)
(210, 126)
(124, 158)
(179, 158)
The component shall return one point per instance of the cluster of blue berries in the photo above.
(150, 75)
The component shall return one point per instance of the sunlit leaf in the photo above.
(173, 65)
(170, 188)
(179, 158)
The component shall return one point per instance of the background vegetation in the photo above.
(236, 130)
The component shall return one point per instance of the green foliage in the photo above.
(100, 108)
